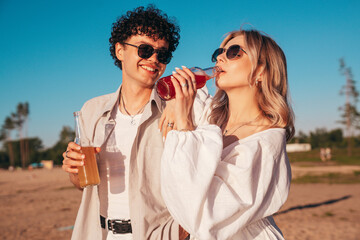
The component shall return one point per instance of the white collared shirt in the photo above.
(114, 171)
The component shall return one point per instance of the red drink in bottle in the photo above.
(166, 90)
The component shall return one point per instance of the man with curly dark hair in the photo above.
(124, 128)
(144, 22)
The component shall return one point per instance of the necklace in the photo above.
(226, 132)
(132, 116)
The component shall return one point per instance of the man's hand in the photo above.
(73, 158)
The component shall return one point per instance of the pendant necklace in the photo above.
(226, 132)
(131, 116)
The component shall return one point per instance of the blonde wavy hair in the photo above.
(272, 92)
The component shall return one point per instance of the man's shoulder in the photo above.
(100, 103)
(103, 99)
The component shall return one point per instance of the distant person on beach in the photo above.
(226, 177)
(128, 203)
(323, 154)
(328, 154)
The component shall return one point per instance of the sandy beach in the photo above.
(42, 204)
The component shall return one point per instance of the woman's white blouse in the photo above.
(231, 193)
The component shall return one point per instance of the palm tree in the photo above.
(20, 119)
(350, 115)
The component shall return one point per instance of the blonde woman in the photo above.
(226, 177)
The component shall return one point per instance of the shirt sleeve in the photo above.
(201, 106)
(166, 230)
(213, 198)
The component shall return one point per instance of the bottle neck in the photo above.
(209, 72)
(77, 127)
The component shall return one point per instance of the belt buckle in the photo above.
(119, 226)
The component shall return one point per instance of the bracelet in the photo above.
(184, 130)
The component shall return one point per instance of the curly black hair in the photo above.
(149, 21)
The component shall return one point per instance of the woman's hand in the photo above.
(185, 90)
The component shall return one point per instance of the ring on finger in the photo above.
(66, 153)
(184, 85)
(170, 125)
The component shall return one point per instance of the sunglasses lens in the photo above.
(145, 51)
(164, 56)
(233, 51)
(216, 54)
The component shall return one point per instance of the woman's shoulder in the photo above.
(270, 143)
(270, 135)
(269, 139)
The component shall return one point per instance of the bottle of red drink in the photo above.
(166, 90)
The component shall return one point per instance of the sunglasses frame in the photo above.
(160, 52)
(226, 50)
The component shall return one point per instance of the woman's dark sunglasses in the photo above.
(145, 51)
(232, 52)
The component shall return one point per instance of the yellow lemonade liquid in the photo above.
(89, 173)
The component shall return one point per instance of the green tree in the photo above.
(319, 138)
(302, 137)
(35, 151)
(20, 118)
(4, 160)
(55, 153)
(6, 130)
(335, 137)
(66, 135)
(349, 114)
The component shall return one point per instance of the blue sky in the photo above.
(54, 54)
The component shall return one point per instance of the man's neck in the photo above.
(134, 97)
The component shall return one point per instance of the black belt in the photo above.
(117, 226)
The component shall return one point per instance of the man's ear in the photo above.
(119, 51)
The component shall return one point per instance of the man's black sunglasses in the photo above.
(232, 52)
(145, 51)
